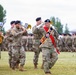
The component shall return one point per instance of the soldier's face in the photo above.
(47, 24)
(17, 25)
(39, 22)
(13, 25)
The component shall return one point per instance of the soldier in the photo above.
(59, 44)
(29, 42)
(24, 40)
(74, 42)
(49, 53)
(36, 41)
(8, 41)
(1, 37)
(18, 52)
(68, 42)
(63, 43)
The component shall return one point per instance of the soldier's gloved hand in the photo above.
(47, 35)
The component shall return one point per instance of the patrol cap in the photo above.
(12, 22)
(47, 20)
(38, 18)
(17, 22)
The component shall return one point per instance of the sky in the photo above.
(28, 10)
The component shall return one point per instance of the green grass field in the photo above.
(66, 65)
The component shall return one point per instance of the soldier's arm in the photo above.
(56, 34)
(14, 33)
(35, 30)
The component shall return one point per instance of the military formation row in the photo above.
(67, 43)
(64, 44)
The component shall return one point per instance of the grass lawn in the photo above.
(66, 65)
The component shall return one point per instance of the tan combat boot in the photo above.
(17, 65)
(47, 73)
(35, 66)
(21, 68)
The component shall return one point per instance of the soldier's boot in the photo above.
(13, 68)
(10, 65)
(35, 66)
(21, 68)
(17, 65)
(47, 73)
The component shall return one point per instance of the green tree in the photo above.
(57, 24)
(2, 18)
(66, 29)
(2, 14)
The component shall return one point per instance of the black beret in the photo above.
(12, 22)
(17, 22)
(47, 20)
(38, 18)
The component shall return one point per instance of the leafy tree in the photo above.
(57, 24)
(2, 14)
(66, 29)
(2, 18)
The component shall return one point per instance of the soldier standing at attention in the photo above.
(74, 42)
(68, 42)
(49, 52)
(18, 52)
(36, 40)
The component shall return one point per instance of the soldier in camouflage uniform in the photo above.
(68, 43)
(63, 43)
(18, 52)
(29, 42)
(74, 42)
(8, 41)
(49, 53)
(24, 40)
(36, 41)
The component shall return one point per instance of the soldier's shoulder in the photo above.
(34, 26)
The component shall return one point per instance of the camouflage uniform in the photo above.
(68, 43)
(24, 40)
(36, 42)
(8, 42)
(18, 52)
(29, 43)
(59, 44)
(49, 53)
(74, 43)
(63, 44)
